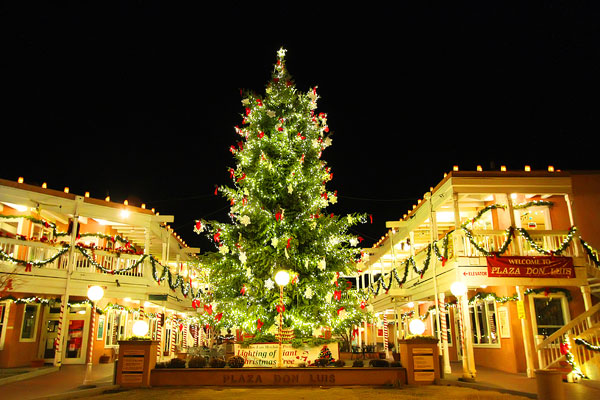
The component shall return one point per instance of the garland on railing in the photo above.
(565, 349)
(107, 270)
(509, 234)
(46, 224)
(481, 296)
(592, 254)
(587, 345)
(33, 263)
(541, 250)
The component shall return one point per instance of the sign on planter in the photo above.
(267, 354)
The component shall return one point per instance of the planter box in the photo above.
(136, 359)
(420, 358)
(278, 377)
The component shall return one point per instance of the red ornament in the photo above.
(243, 291)
(280, 129)
(289, 243)
(363, 304)
(337, 294)
(259, 324)
(208, 309)
(261, 135)
(371, 217)
(216, 190)
(218, 317)
(340, 310)
(280, 308)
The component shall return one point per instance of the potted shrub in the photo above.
(217, 363)
(197, 362)
(176, 363)
(358, 363)
(236, 362)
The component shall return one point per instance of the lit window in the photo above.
(28, 327)
(484, 323)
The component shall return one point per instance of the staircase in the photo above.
(560, 347)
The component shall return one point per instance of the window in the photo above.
(116, 321)
(448, 330)
(29, 325)
(4, 307)
(484, 323)
(551, 314)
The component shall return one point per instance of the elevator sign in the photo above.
(530, 267)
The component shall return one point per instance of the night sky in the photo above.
(138, 100)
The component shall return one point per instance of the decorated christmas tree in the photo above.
(278, 198)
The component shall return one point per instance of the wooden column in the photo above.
(527, 338)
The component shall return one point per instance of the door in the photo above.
(76, 340)
(49, 333)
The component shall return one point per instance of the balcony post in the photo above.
(459, 249)
(527, 337)
(444, 332)
(517, 248)
(64, 300)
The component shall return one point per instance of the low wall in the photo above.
(278, 376)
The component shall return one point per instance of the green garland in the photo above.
(539, 249)
(587, 345)
(592, 254)
(509, 233)
(481, 296)
(39, 264)
(43, 222)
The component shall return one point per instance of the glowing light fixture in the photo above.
(550, 168)
(20, 180)
(95, 293)
(455, 168)
(66, 190)
(44, 185)
(503, 168)
(479, 169)
(140, 328)
(416, 327)
(458, 289)
(527, 168)
(282, 278)
(87, 194)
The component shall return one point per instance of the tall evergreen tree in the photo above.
(278, 222)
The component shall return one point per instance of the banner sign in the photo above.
(530, 267)
(267, 354)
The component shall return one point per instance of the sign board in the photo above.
(530, 267)
(424, 376)
(521, 309)
(423, 362)
(267, 354)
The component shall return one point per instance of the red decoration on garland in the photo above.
(337, 294)
(340, 310)
(243, 290)
(208, 309)
(241, 177)
(216, 237)
(289, 243)
(360, 239)
(564, 348)
(216, 190)
(259, 324)
(28, 267)
(280, 308)
(371, 217)
(278, 216)
(218, 317)
(546, 292)
(363, 304)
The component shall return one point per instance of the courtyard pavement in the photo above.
(490, 385)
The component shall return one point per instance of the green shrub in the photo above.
(197, 362)
(358, 363)
(236, 362)
(321, 362)
(176, 363)
(217, 363)
(160, 365)
(340, 363)
(379, 363)
(396, 364)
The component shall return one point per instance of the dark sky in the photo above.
(139, 99)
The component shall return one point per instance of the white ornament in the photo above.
(308, 293)
(343, 314)
(248, 273)
(322, 265)
(271, 113)
(274, 242)
(245, 220)
(269, 284)
(333, 199)
(281, 52)
(327, 141)
(224, 249)
(353, 241)
(290, 189)
(245, 102)
(328, 297)
(243, 257)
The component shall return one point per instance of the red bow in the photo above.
(208, 309)
(355, 332)
(363, 304)
(337, 294)
(280, 308)
(195, 303)
(564, 348)
(218, 317)
(243, 290)
(340, 310)
(288, 243)
(259, 324)
(28, 267)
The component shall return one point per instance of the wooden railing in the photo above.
(586, 326)
(28, 250)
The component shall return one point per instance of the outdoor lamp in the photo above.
(140, 328)
(458, 289)
(282, 278)
(95, 293)
(416, 327)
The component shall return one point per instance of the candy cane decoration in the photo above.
(60, 321)
(92, 325)
(461, 327)
(443, 311)
(172, 336)
(385, 333)
(158, 333)
(184, 331)
(197, 337)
